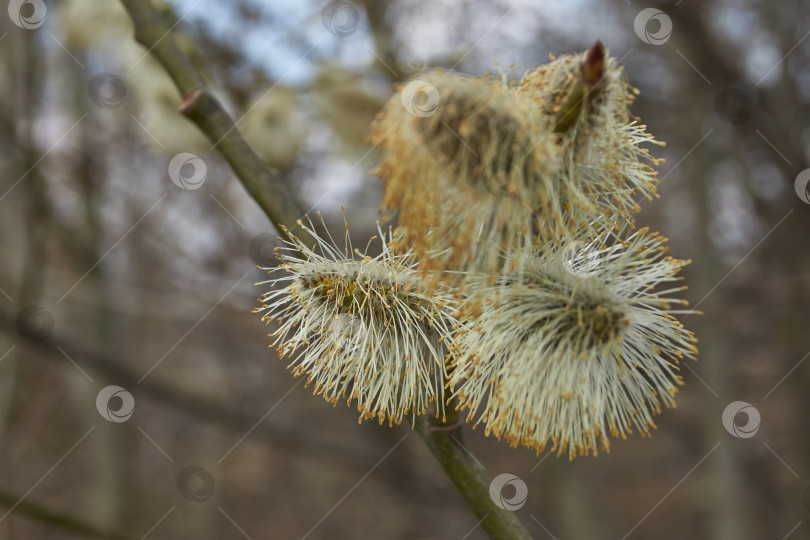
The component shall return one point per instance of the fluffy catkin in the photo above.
(575, 346)
(360, 328)
(488, 170)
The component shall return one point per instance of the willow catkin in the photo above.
(360, 328)
(574, 347)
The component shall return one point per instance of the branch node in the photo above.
(431, 427)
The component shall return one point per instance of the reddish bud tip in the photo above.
(596, 53)
(594, 65)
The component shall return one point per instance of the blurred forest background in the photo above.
(110, 274)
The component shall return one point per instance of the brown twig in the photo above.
(202, 108)
(443, 439)
(56, 519)
(193, 404)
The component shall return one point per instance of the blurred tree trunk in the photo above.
(727, 514)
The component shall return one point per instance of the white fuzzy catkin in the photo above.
(359, 327)
(606, 167)
(489, 171)
(574, 346)
(466, 180)
(535, 305)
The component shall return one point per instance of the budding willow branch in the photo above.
(57, 520)
(202, 108)
(592, 71)
(443, 441)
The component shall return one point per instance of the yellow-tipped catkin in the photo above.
(360, 328)
(575, 346)
(486, 171)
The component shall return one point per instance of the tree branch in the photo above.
(443, 438)
(202, 108)
(197, 406)
(57, 520)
